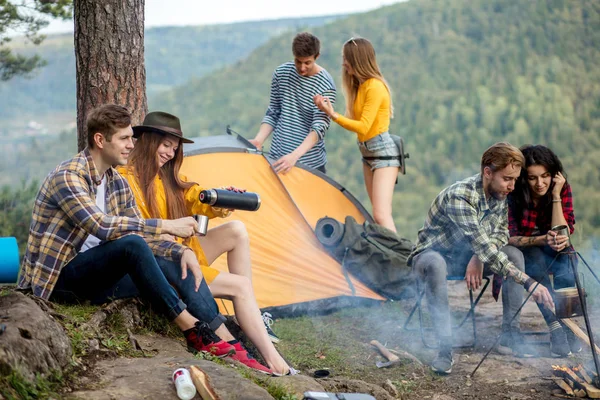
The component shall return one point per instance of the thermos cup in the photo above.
(202, 221)
(223, 198)
(563, 230)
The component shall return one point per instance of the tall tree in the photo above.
(26, 17)
(109, 56)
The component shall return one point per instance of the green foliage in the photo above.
(75, 316)
(26, 17)
(464, 75)
(277, 391)
(153, 322)
(32, 158)
(15, 387)
(173, 55)
(15, 212)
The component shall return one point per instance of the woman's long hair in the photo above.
(144, 160)
(523, 197)
(360, 55)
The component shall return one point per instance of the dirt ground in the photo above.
(499, 376)
(340, 341)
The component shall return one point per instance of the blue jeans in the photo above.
(124, 268)
(200, 304)
(537, 261)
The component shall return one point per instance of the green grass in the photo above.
(75, 316)
(15, 386)
(340, 342)
(156, 323)
(277, 391)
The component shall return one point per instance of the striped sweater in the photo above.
(293, 115)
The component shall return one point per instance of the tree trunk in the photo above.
(109, 56)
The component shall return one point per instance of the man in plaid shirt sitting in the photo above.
(88, 241)
(466, 233)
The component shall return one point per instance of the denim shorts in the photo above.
(381, 145)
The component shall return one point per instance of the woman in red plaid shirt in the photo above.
(542, 199)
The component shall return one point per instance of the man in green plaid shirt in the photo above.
(466, 234)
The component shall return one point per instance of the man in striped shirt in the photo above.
(466, 234)
(298, 126)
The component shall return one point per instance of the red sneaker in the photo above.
(242, 356)
(202, 339)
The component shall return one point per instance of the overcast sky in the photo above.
(203, 12)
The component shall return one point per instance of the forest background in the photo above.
(464, 75)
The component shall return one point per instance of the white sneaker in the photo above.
(268, 321)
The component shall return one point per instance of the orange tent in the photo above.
(292, 273)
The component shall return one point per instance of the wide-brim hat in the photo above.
(162, 123)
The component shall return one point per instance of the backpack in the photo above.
(373, 254)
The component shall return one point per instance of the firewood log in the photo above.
(564, 386)
(582, 372)
(202, 383)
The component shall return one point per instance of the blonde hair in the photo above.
(360, 55)
(501, 155)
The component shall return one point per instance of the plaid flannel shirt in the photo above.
(540, 218)
(461, 215)
(65, 213)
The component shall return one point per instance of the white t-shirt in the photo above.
(93, 241)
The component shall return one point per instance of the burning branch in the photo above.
(580, 386)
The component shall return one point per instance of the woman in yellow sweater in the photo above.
(160, 190)
(368, 112)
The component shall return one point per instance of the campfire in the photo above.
(575, 382)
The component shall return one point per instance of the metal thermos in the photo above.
(223, 198)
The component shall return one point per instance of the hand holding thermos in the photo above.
(230, 198)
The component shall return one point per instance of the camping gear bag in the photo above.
(375, 255)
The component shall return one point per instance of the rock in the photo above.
(150, 378)
(33, 343)
(342, 385)
(442, 397)
(93, 345)
(516, 396)
(127, 308)
(298, 384)
(391, 388)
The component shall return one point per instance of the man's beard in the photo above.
(498, 195)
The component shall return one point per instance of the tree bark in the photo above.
(109, 56)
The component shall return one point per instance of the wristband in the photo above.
(528, 283)
(556, 201)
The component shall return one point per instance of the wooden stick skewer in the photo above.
(579, 332)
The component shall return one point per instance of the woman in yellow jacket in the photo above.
(161, 191)
(368, 112)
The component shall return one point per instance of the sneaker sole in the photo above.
(441, 372)
(437, 371)
(195, 351)
(557, 355)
